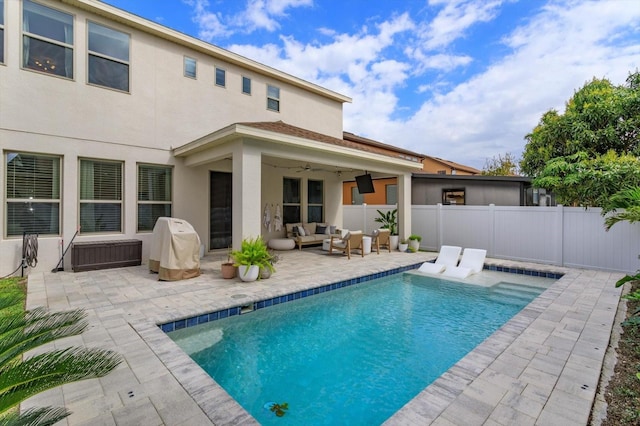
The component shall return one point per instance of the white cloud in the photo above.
(559, 50)
(560, 46)
(210, 25)
(257, 14)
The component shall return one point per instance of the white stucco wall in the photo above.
(46, 114)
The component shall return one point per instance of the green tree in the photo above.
(22, 377)
(580, 180)
(627, 200)
(598, 118)
(506, 165)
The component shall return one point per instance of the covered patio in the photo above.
(542, 367)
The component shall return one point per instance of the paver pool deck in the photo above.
(541, 368)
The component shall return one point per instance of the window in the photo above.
(33, 194)
(246, 85)
(291, 200)
(1, 31)
(453, 196)
(154, 195)
(356, 197)
(108, 57)
(315, 201)
(391, 194)
(47, 40)
(189, 67)
(100, 196)
(221, 77)
(273, 98)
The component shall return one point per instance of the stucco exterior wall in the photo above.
(46, 114)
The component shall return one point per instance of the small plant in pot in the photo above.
(252, 256)
(228, 269)
(414, 242)
(266, 272)
(403, 245)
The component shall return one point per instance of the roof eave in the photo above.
(150, 27)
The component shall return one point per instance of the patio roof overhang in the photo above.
(278, 139)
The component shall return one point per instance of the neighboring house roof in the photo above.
(118, 15)
(427, 175)
(456, 166)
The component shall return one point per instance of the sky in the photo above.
(463, 80)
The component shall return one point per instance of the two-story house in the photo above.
(109, 121)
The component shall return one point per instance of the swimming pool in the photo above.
(353, 356)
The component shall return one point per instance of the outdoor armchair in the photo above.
(351, 241)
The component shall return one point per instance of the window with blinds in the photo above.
(32, 194)
(154, 195)
(47, 40)
(100, 196)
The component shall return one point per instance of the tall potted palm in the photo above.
(388, 220)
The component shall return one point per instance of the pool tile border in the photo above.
(179, 324)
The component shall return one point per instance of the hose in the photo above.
(29, 253)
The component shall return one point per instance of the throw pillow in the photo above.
(332, 229)
(301, 231)
(307, 231)
(320, 229)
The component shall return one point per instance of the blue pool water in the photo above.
(353, 356)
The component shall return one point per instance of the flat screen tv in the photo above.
(365, 184)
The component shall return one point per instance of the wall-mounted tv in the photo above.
(365, 184)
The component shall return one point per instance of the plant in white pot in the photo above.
(252, 256)
(403, 245)
(388, 220)
(414, 242)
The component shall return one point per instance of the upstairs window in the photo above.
(100, 196)
(33, 194)
(108, 57)
(273, 98)
(47, 39)
(1, 31)
(154, 195)
(246, 85)
(190, 67)
(453, 196)
(221, 77)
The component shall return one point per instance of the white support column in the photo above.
(404, 205)
(246, 185)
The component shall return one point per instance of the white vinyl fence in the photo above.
(565, 236)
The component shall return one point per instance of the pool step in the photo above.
(515, 293)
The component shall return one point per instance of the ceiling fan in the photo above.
(308, 168)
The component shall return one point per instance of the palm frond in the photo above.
(41, 416)
(21, 380)
(38, 328)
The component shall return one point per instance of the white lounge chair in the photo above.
(448, 257)
(472, 262)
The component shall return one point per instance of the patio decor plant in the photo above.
(414, 242)
(253, 252)
(388, 220)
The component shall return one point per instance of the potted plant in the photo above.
(266, 272)
(252, 256)
(414, 242)
(403, 245)
(388, 220)
(228, 269)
